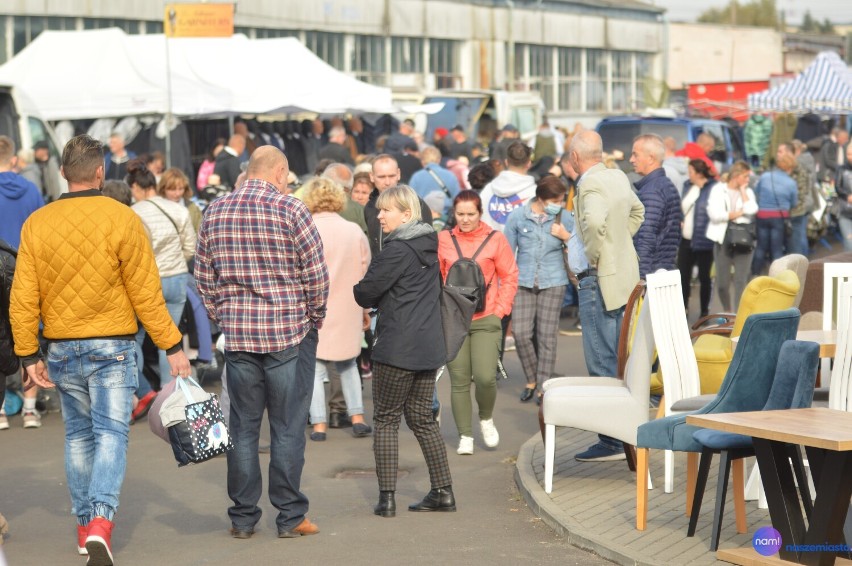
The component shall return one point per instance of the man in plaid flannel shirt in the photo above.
(262, 276)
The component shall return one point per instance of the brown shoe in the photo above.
(305, 528)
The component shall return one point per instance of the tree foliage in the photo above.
(759, 13)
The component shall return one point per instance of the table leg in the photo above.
(834, 489)
(781, 494)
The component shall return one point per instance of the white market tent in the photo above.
(106, 74)
(825, 86)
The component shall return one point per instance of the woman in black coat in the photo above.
(403, 283)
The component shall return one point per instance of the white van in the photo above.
(20, 121)
(482, 113)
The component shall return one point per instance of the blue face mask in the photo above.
(552, 209)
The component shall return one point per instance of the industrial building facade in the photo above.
(582, 56)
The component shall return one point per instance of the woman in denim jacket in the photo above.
(539, 242)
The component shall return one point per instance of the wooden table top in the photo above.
(817, 427)
(827, 340)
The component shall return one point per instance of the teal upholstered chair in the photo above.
(745, 388)
(793, 388)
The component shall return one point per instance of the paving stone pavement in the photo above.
(594, 506)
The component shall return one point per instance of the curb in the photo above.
(564, 524)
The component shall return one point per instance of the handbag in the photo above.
(740, 238)
(203, 434)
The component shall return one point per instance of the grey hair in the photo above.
(335, 172)
(653, 145)
(588, 145)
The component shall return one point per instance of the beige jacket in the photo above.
(609, 214)
(171, 232)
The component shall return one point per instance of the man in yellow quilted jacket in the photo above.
(86, 270)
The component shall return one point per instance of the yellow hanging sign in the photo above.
(199, 20)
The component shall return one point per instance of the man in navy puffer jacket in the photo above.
(658, 238)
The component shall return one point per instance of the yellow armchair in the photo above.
(714, 351)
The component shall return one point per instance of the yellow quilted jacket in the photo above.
(86, 269)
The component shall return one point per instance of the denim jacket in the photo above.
(537, 252)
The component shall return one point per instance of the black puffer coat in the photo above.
(404, 283)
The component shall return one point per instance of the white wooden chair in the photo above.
(833, 274)
(674, 347)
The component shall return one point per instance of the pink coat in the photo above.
(347, 254)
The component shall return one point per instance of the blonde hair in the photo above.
(174, 178)
(403, 198)
(787, 162)
(321, 194)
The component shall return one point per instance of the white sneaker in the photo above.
(489, 433)
(4, 422)
(465, 446)
(32, 419)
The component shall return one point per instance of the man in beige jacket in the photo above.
(608, 214)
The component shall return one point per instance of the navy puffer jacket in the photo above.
(658, 238)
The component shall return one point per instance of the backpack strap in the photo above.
(482, 245)
(456, 244)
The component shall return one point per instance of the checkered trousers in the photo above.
(398, 391)
(537, 311)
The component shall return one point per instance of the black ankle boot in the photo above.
(440, 499)
(386, 506)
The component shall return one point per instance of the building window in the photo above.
(368, 59)
(443, 63)
(541, 73)
(596, 80)
(327, 46)
(262, 33)
(570, 79)
(643, 75)
(407, 55)
(153, 27)
(622, 81)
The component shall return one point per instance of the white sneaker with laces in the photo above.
(32, 419)
(489, 433)
(465, 446)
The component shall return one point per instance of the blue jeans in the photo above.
(174, 291)
(770, 241)
(600, 336)
(96, 380)
(845, 225)
(797, 242)
(350, 383)
(282, 383)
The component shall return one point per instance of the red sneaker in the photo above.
(142, 406)
(82, 533)
(98, 542)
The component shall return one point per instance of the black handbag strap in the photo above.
(440, 182)
(571, 276)
(166, 214)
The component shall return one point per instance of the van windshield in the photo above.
(620, 136)
(457, 110)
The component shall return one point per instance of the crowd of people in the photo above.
(335, 278)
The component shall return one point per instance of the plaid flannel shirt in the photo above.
(260, 268)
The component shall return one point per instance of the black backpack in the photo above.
(8, 360)
(466, 276)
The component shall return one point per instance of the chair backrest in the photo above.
(749, 378)
(637, 374)
(832, 275)
(664, 299)
(798, 264)
(766, 294)
(795, 376)
(840, 389)
(628, 326)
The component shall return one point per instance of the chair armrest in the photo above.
(719, 330)
(729, 318)
(693, 403)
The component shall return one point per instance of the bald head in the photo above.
(237, 142)
(340, 174)
(269, 164)
(586, 150)
(706, 142)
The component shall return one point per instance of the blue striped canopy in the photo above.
(825, 86)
